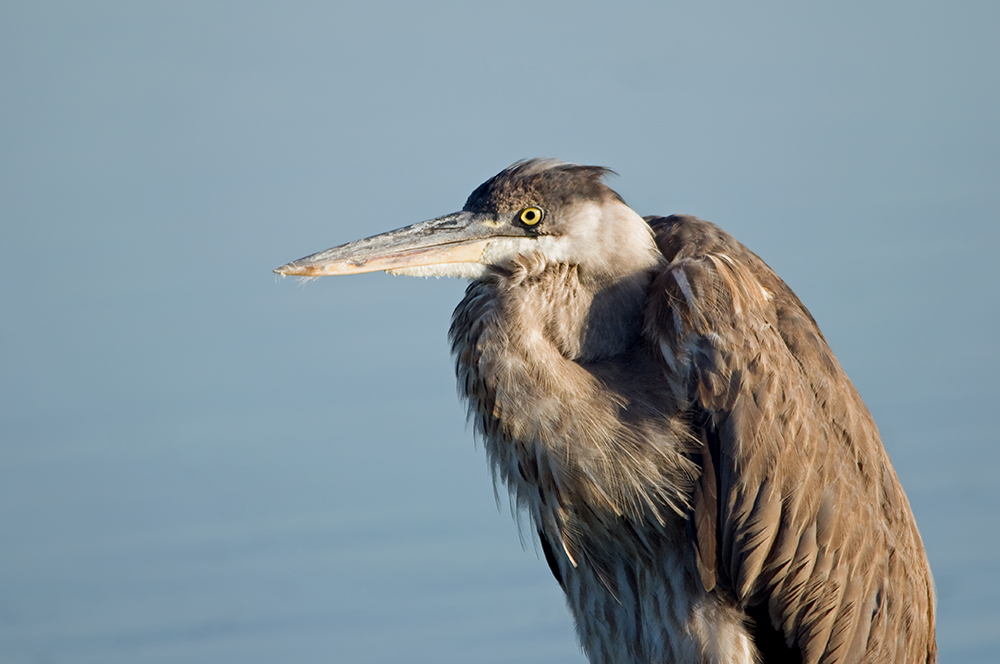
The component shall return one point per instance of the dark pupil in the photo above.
(529, 215)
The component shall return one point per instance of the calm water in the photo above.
(202, 463)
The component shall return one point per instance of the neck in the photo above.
(584, 319)
(530, 348)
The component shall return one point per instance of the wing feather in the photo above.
(797, 505)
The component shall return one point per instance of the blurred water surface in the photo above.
(202, 463)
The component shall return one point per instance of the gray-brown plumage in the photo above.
(706, 483)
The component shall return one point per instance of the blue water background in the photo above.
(202, 463)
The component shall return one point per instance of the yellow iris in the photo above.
(530, 216)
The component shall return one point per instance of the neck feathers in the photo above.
(530, 346)
(584, 320)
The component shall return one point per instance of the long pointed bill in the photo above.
(455, 238)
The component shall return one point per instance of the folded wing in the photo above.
(798, 514)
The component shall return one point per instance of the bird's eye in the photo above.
(530, 216)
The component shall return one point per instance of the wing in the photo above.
(798, 514)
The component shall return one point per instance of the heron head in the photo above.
(563, 212)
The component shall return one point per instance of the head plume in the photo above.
(548, 183)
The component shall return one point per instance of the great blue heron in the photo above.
(706, 482)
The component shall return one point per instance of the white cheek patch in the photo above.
(555, 248)
(585, 221)
(503, 249)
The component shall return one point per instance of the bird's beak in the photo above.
(460, 237)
